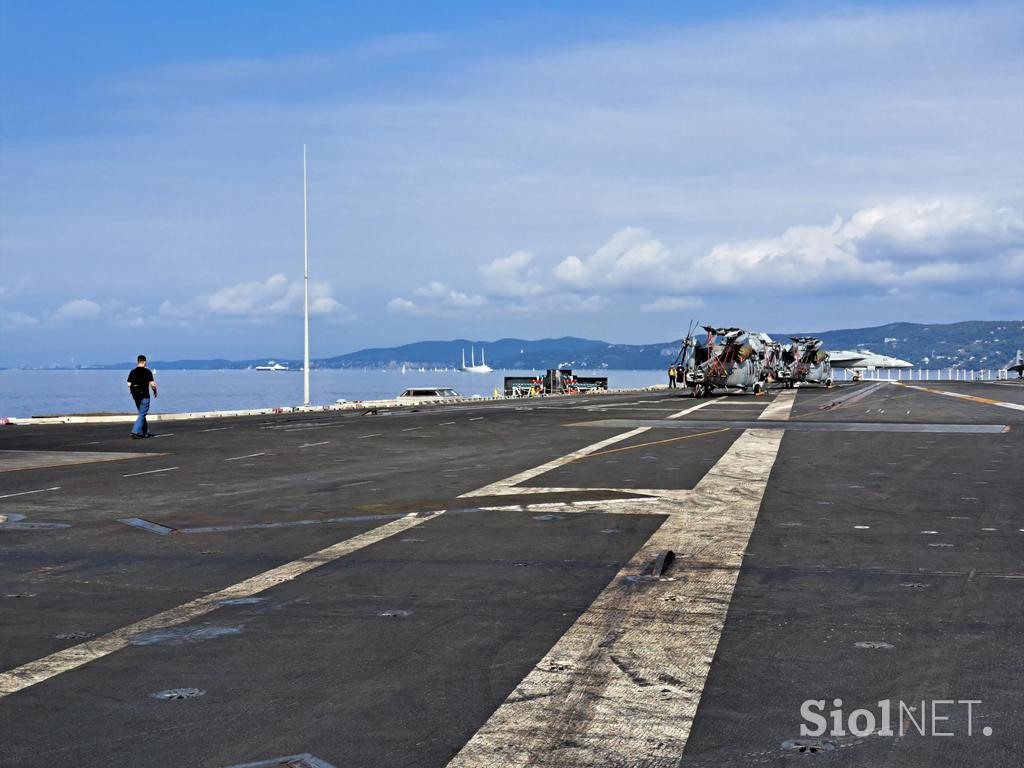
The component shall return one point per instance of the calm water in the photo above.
(40, 393)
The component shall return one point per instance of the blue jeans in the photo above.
(141, 427)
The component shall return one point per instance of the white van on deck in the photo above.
(426, 394)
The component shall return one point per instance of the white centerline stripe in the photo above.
(247, 456)
(42, 669)
(411, 429)
(476, 418)
(627, 677)
(26, 493)
(445, 423)
(779, 408)
(313, 445)
(150, 472)
(215, 429)
(363, 437)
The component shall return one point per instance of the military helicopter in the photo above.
(785, 362)
(811, 363)
(778, 360)
(728, 358)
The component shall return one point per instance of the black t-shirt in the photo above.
(139, 379)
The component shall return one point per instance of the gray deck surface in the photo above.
(397, 653)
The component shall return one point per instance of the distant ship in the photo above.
(473, 367)
(272, 366)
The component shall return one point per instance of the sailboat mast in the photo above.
(305, 279)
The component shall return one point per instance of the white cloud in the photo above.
(906, 243)
(17, 319)
(631, 260)
(403, 306)
(436, 299)
(512, 276)
(671, 304)
(77, 309)
(258, 301)
(443, 296)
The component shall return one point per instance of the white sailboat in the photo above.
(473, 367)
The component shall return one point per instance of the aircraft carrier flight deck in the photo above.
(605, 580)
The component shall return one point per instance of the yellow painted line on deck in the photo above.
(508, 485)
(654, 442)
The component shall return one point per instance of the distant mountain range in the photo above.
(972, 345)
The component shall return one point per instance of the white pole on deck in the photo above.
(305, 281)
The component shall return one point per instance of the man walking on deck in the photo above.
(140, 382)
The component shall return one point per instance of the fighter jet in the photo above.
(812, 364)
(729, 358)
(863, 358)
(1017, 364)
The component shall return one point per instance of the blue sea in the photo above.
(46, 393)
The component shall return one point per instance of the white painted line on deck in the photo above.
(476, 418)
(215, 429)
(34, 672)
(779, 408)
(508, 485)
(26, 493)
(692, 408)
(314, 445)
(411, 429)
(247, 456)
(150, 472)
(363, 437)
(626, 679)
(445, 423)
(961, 396)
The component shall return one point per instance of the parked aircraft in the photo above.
(1017, 364)
(812, 363)
(863, 358)
(728, 358)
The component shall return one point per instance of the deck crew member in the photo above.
(140, 382)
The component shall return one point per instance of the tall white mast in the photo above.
(305, 280)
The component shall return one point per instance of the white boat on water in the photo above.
(272, 366)
(473, 367)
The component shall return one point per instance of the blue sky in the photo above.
(482, 171)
